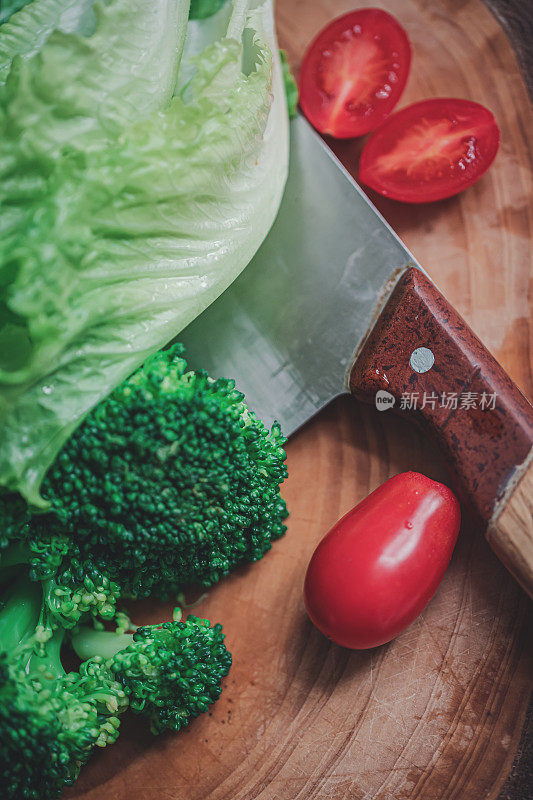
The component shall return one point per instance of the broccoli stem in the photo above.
(15, 555)
(45, 661)
(20, 608)
(88, 642)
(24, 632)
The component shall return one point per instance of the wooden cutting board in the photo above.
(438, 713)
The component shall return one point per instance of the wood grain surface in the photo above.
(437, 714)
(510, 535)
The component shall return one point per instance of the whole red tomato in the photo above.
(381, 564)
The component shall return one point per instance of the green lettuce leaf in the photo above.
(131, 198)
(8, 7)
(201, 9)
(28, 30)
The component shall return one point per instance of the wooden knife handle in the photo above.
(423, 354)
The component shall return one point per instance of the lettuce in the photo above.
(200, 9)
(134, 189)
(8, 7)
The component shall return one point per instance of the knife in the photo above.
(334, 302)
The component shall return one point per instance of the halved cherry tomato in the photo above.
(430, 150)
(354, 72)
(378, 568)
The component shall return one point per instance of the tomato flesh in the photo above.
(430, 150)
(380, 565)
(354, 72)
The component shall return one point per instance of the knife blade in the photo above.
(286, 352)
(334, 302)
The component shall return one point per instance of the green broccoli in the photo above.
(50, 720)
(171, 673)
(171, 481)
(72, 589)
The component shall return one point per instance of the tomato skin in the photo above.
(401, 160)
(354, 72)
(381, 564)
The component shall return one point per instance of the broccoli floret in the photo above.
(72, 588)
(170, 672)
(50, 721)
(48, 730)
(169, 482)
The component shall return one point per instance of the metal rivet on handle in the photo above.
(422, 359)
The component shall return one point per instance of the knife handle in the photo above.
(425, 357)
